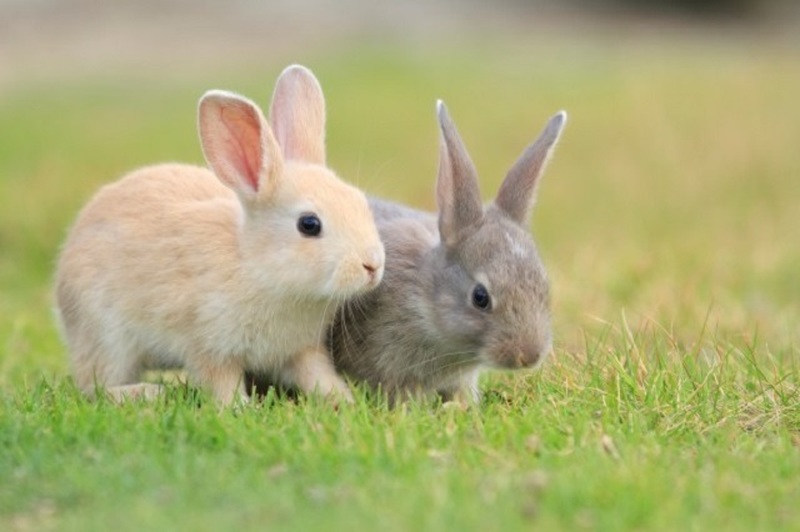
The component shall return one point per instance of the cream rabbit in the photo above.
(241, 267)
(463, 290)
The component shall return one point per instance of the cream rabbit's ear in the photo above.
(238, 144)
(457, 192)
(297, 115)
(518, 191)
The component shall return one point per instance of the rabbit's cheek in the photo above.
(353, 276)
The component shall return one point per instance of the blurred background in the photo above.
(671, 204)
(43, 39)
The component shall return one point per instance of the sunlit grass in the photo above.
(636, 431)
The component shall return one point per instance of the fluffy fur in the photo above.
(419, 332)
(179, 266)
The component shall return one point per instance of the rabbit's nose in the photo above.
(528, 357)
(374, 271)
(373, 265)
(531, 355)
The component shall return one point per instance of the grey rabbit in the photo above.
(462, 291)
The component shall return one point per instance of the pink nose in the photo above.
(371, 269)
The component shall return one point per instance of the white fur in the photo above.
(176, 266)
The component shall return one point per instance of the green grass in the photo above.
(668, 222)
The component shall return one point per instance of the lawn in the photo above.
(668, 221)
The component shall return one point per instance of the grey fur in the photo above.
(419, 333)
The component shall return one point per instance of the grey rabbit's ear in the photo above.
(297, 115)
(457, 192)
(517, 193)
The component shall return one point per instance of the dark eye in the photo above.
(309, 225)
(480, 297)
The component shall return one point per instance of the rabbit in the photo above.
(216, 271)
(462, 291)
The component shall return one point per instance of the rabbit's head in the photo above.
(490, 289)
(302, 230)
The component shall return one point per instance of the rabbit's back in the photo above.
(387, 213)
(138, 231)
(152, 193)
(145, 250)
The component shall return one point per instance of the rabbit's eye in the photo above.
(309, 225)
(480, 297)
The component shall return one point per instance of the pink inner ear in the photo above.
(243, 143)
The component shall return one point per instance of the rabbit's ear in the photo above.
(297, 115)
(457, 192)
(238, 143)
(517, 193)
